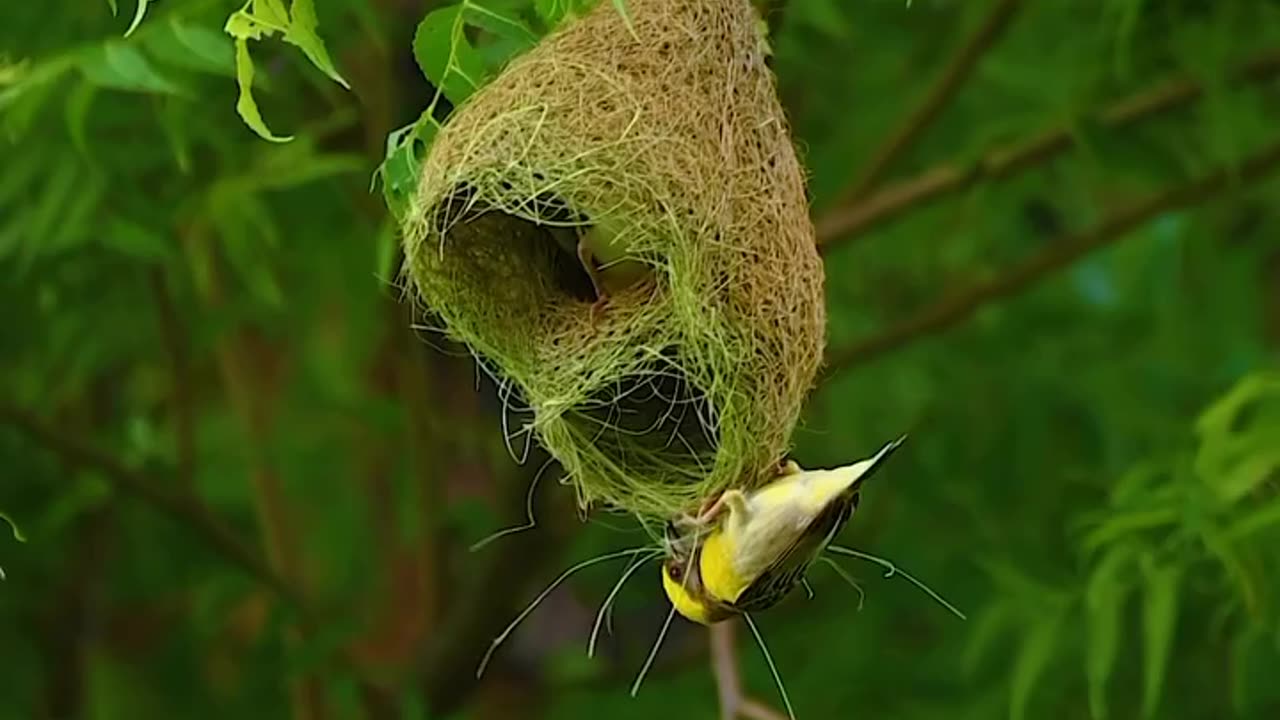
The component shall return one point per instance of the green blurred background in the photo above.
(248, 479)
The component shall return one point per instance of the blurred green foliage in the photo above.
(207, 366)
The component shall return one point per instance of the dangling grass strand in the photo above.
(808, 589)
(891, 570)
(768, 658)
(530, 521)
(484, 662)
(862, 594)
(653, 653)
(608, 601)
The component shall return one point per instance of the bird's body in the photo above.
(768, 540)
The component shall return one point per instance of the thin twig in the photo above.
(953, 77)
(183, 508)
(1060, 253)
(734, 703)
(847, 221)
(250, 368)
(724, 666)
(490, 590)
(423, 437)
(189, 512)
(183, 403)
(756, 710)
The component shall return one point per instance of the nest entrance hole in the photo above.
(489, 243)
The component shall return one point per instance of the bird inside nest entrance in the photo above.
(602, 247)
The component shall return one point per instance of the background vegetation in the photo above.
(247, 487)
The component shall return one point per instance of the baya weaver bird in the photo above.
(766, 542)
(761, 548)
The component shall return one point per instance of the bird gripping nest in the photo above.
(660, 146)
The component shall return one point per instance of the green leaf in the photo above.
(298, 164)
(1104, 601)
(45, 219)
(1128, 11)
(173, 122)
(302, 33)
(246, 225)
(1033, 659)
(1234, 459)
(621, 7)
(1013, 581)
(115, 9)
(74, 216)
(553, 12)
(1236, 566)
(503, 25)
(262, 18)
(136, 241)
(246, 105)
(400, 170)
(1252, 669)
(124, 67)
(1257, 521)
(445, 56)
(269, 13)
(79, 102)
(994, 622)
(1159, 618)
(193, 47)
(137, 17)
(1120, 524)
(86, 492)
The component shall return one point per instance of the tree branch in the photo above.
(490, 590)
(188, 511)
(734, 703)
(183, 508)
(1060, 253)
(182, 401)
(847, 221)
(954, 75)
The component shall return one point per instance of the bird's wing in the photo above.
(784, 573)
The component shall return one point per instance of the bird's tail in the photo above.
(864, 469)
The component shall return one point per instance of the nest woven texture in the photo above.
(672, 129)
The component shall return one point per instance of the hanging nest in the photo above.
(670, 129)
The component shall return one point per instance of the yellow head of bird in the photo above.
(688, 600)
(685, 578)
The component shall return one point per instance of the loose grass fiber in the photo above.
(671, 129)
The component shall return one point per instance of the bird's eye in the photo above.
(676, 572)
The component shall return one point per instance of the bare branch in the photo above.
(188, 511)
(1059, 254)
(182, 401)
(724, 666)
(734, 703)
(954, 75)
(846, 222)
(756, 710)
(491, 589)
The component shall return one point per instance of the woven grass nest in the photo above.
(671, 128)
